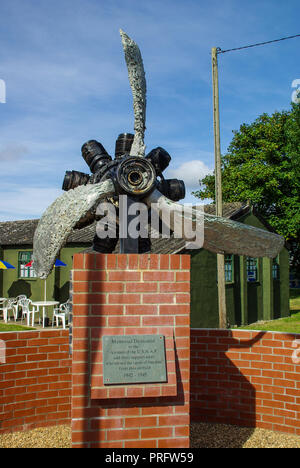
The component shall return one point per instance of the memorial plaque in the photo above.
(134, 359)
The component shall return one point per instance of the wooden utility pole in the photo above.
(218, 187)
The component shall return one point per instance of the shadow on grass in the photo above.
(294, 293)
(294, 312)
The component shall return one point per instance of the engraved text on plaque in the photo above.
(134, 359)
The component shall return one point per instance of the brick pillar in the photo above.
(130, 295)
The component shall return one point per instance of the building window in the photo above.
(25, 272)
(276, 269)
(229, 268)
(252, 269)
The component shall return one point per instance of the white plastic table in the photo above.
(44, 304)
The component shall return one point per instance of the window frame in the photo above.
(229, 260)
(256, 269)
(29, 271)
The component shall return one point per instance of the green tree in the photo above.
(262, 165)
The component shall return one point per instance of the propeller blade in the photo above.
(57, 222)
(214, 233)
(136, 74)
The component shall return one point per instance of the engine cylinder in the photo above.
(95, 155)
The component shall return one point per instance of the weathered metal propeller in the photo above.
(139, 177)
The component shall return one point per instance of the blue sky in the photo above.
(66, 82)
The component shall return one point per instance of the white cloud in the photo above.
(66, 77)
(21, 202)
(12, 152)
(190, 172)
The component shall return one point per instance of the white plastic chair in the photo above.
(61, 313)
(27, 311)
(9, 304)
(18, 299)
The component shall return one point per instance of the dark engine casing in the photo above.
(131, 175)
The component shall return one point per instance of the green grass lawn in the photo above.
(4, 327)
(289, 324)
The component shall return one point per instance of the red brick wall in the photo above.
(35, 380)
(130, 295)
(234, 379)
(246, 378)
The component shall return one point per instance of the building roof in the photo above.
(17, 233)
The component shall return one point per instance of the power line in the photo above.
(220, 51)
